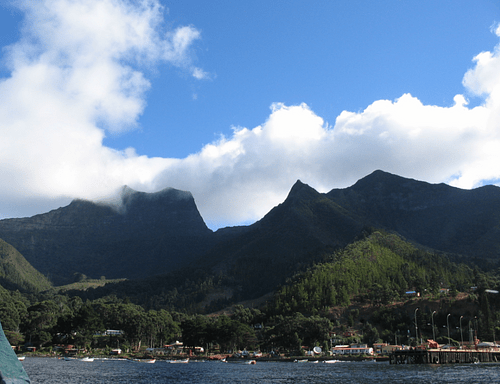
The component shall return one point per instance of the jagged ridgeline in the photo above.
(17, 273)
(142, 235)
(376, 270)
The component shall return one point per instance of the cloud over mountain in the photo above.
(76, 74)
(79, 72)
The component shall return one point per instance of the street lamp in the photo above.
(448, 324)
(461, 334)
(475, 329)
(471, 339)
(433, 330)
(416, 326)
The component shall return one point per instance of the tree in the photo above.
(197, 332)
(370, 334)
(86, 324)
(289, 330)
(40, 322)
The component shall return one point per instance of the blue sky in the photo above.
(234, 101)
(331, 55)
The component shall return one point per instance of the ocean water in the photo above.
(50, 370)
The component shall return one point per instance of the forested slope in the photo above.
(379, 269)
(17, 273)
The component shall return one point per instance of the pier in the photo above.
(443, 356)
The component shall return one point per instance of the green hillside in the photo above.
(17, 273)
(377, 270)
(357, 293)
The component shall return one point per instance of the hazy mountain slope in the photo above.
(148, 234)
(17, 273)
(438, 216)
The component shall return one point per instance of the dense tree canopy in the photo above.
(375, 271)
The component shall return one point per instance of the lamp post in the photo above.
(461, 334)
(448, 325)
(433, 330)
(416, 326)
(475, 331)
(471, 339)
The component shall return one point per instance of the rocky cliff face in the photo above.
(140, 235)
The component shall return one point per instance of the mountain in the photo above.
(308, 227)
(17, 273)
(149, 234)
(296, 233)
(437, 216)
(248, 262)
(144, 234)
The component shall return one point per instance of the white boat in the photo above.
(147, 361)
(301, 361)
(251, 362)
(21, 358)
(183, 361)
(89, 359)
(314, 361)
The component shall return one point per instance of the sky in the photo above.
(236, 101)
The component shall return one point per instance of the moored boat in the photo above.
(147, 361)
(183, 361)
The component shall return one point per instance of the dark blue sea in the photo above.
(50, 370)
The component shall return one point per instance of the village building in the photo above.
(353, 349)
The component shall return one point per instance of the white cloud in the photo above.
(76, 73)
(199, 73)
(243, 177)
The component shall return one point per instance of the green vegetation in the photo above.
(378, 270)
(357, 293)
(85, 283)
(17, 273)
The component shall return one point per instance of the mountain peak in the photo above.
(129, 196)
(379, 177)
(301, 190)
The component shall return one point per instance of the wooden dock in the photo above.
(443, 356)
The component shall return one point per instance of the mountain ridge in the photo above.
(438, 216)
(147, 234)
(157, 230)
